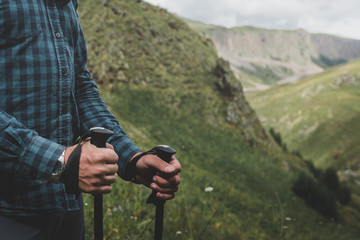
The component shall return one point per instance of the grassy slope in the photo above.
(251, 196)
(316, 116)
(157, 77)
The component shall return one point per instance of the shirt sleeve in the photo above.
(93, 112)
(23, 153)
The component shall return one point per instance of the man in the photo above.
(47, 99)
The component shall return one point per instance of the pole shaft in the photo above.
(159, 220)
(98, 217)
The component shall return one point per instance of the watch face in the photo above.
(57, 168)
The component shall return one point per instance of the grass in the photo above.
(251, 196)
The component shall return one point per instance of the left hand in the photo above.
(160, 176)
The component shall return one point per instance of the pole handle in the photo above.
(99, 136)
(165, 153)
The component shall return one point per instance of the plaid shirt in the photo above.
(47, 98)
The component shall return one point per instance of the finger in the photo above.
(155, 187)
(108, 155)
(176, 164)
(177, 168)
(165, 196)
(108, 179)
(108, 145)
(154, 162)
(104, 169)
(167, 182)
(111, 169)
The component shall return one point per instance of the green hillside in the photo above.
(166, 85)
(319, 116)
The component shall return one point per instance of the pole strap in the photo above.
(70, 177)
(130, 170)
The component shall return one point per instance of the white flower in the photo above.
(287, 219)
(209, 189)
(178, 233)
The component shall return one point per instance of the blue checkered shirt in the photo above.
(47, 98)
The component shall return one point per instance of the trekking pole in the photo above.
(99, 137)
(164, 152)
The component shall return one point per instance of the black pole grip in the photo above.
(99, 136)
(165, 153)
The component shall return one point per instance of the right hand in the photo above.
(97, 168)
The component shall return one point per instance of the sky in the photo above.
(337, 17)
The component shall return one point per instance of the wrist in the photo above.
(59, 168)
(130, 170)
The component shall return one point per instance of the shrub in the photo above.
(276, 136)
(322, 190)
(322, 200)
(303, 186)
(316, 195)
(344, 195)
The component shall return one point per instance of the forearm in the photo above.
(93, 112)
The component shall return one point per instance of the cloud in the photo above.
(331, 16)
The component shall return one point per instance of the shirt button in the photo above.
(58, 35)
(64, 73)
(63, 110)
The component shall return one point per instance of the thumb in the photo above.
(160, 165)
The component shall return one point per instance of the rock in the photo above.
(238, 109)
(346, 80)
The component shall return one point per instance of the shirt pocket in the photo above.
(19, 20)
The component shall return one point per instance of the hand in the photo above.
(97, 168)
(158, 175)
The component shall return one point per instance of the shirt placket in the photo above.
(63, 73)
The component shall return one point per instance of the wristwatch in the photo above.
(59, 168)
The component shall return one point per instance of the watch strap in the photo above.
(70, 177)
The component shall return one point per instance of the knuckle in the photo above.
(112, 179)
(96, 156)
(99, 171)
(177, 179)
(108, 189)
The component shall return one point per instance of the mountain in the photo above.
(166, 85)
(318, 116)
(262, 57)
